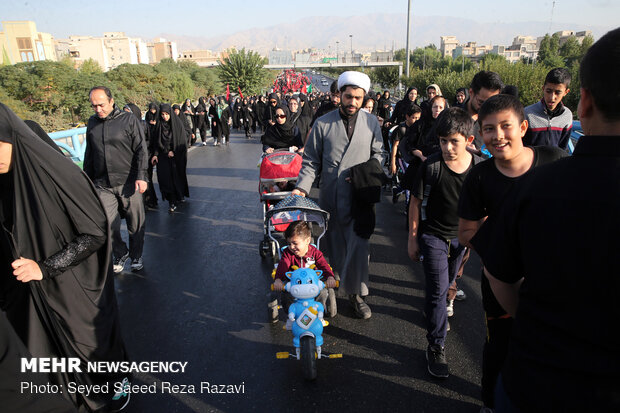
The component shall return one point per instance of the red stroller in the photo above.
(278, 175)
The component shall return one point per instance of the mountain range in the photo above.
(372, 32)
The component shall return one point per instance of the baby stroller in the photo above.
(277, 178)
(291, 209)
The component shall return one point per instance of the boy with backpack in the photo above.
(502, 126)
(433, 225)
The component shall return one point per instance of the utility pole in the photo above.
(351, 37)
(337, 50)
(407, 51)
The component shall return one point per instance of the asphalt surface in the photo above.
(202, 295)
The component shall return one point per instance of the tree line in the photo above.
(55, 94)
(428, 66)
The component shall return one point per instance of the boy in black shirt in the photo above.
(502, 125)
(558, 272)
(433, 224)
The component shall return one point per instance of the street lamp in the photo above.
(351, 37)
(337, 50)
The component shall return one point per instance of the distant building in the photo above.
(162, 49)
(522, 47)
(21, 42)
(565, 34)
(471, 50)
(380, 56)
(447, 45)
(204, 58)
(110, 50)
(280, 57)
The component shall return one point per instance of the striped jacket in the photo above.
(546, 130)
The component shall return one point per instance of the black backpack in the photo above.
(431, 177)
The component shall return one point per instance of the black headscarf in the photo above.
(36, 128)
(171, 173)
(52, 203)
(135, 110)
(280, 136)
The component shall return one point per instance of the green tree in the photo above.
(90, 66)
(243, 70)
(570, 51)
(386, 76)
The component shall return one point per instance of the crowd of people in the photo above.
(484, 173)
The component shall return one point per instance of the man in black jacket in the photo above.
(116, 161)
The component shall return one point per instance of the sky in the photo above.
(211, 18)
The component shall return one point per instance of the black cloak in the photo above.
(282, 136)
(171, 172)
(151, 130)
(51, 213)
(36, 128)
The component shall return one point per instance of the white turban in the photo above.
(354, 78)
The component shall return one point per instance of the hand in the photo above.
(26, 270)
(330, 282)
(154, 160)
(170, 154)
(413, 249)
(297, 192)
(269, 150)
(141, 186)
(278, 285)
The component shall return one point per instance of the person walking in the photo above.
(116, 161)
(338, 141)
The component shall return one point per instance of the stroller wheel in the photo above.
(262, 249)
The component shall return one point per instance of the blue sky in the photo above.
(212, 18)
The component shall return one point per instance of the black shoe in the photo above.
(172, 208)
(362, 310)
(396, 192)
(437, 364)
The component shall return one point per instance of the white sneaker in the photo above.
(119, 263)
(137, 265)
(460, 295)
(450, 308)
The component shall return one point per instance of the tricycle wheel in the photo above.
(308, 357)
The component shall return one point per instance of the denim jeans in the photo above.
(441, 262)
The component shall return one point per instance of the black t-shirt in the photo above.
(484, 192)
(559, 231)
(439, 216)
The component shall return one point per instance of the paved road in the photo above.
(202, 296)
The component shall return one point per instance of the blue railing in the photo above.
(71, 141)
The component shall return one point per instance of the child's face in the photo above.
(553, 93)
(298, 245)
(502, 133)
(413, 118)
(438, 106)
(453, 146)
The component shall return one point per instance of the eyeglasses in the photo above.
(281, 116)
(273, 102)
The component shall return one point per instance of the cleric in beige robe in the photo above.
(339, 140)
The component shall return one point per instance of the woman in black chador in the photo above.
(56, 280)
(170, 155)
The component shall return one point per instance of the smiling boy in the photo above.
(502, 126)
(549, 121)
